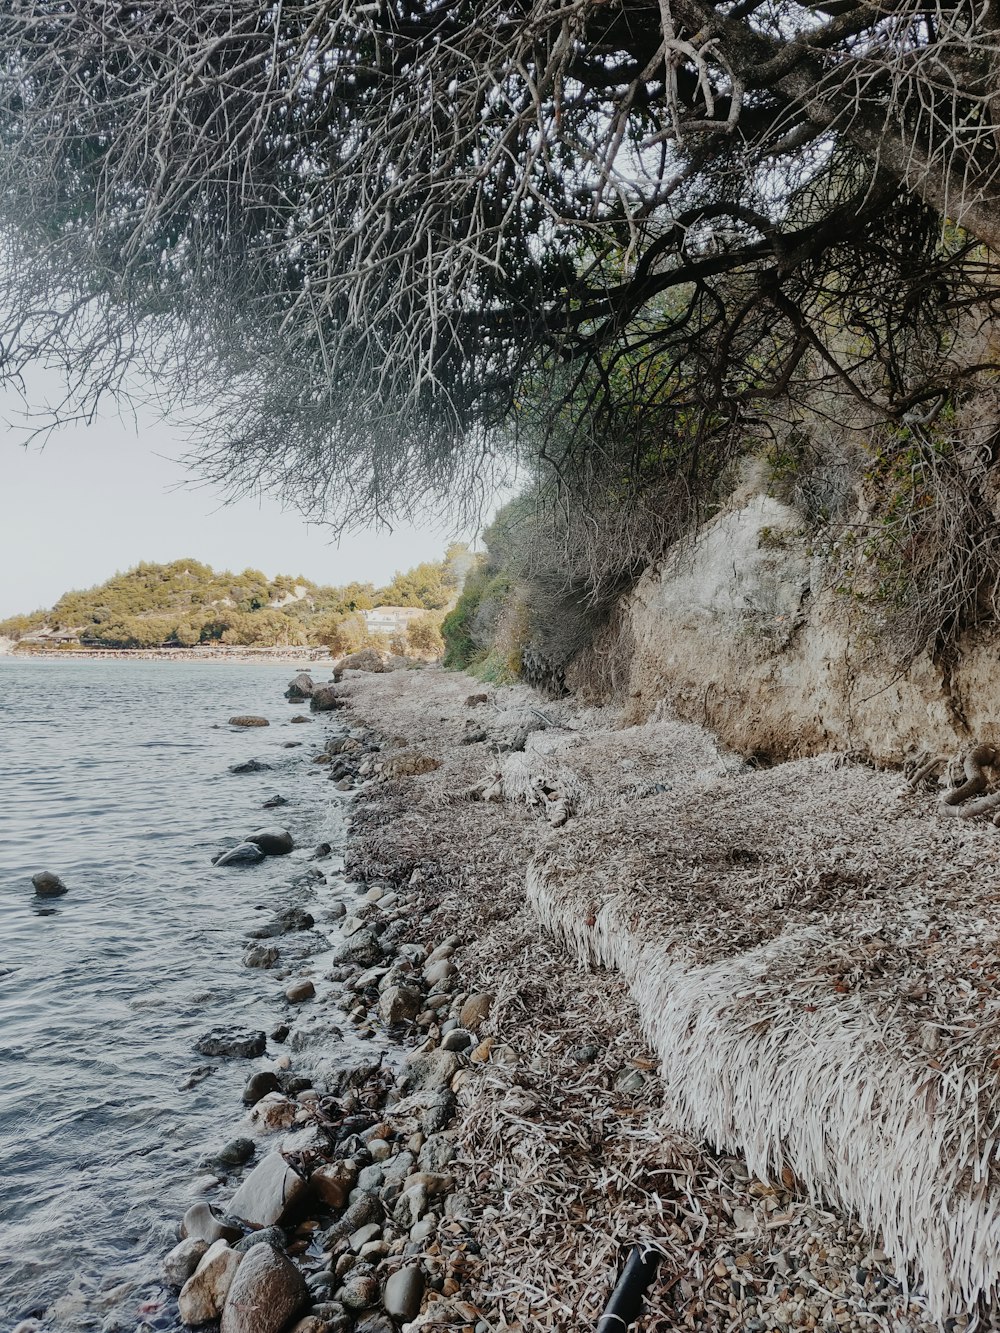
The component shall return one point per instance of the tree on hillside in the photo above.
(355, 232)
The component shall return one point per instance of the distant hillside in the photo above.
(186, 603)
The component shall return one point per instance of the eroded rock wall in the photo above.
(741, 630)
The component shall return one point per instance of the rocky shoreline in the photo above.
(339, 1222)
(457, 1126)
(486, 1163)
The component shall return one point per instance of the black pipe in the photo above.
(625, 1304)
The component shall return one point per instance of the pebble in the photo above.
(358, 1239)
(458, 1039)
(475, 1010)
(403, 1293)
(300, 991)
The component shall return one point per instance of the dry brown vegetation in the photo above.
(809, 956)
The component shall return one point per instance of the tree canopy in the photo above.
(361, 236)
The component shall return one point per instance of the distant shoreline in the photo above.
(216, 653)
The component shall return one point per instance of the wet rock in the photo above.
(261, 955)
(475, 1010)
(366, 1208)
(273, 802)
(248, 720)
(300, 991)
(326, 698)
(259, 1085)
(236, 1042)
(398, 1004)
(360, 1291)
(243, 854)
(332, 1184)
(280, 1034)
(429, 1071)
(361, 947)
(202, 1222)
(300, 686)
(457, 1039)
(236, 1152)
(182, 1260)
(267, 1291)
(269, 1194)
(284, 923)
(275, 1111)
(48, 885)
(204, 1293)
(273, 1236)
(251, 766)
(273, 841)
(403, 1293)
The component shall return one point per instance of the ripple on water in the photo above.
(122, 786)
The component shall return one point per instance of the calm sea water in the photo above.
(114, 776)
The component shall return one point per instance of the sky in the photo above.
(98, 499)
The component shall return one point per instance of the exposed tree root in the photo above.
(956, 802)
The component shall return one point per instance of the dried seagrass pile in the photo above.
(814, 957)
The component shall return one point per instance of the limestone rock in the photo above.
(260, 955)
(300, 686)
(397, 1004)
(204, 1293)
(429, 1071)
(360, 947)
(267, 1291)
(182, 1260)
(269, 1193)
(202, 1222)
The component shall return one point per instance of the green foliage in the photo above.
(423, 636)
(16, 626)
(185, 603)
(460, 646)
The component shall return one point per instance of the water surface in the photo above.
(115, 775)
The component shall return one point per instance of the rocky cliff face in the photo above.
(740, 630)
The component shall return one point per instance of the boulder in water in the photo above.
(269, 1193)
(248, 720)
(202, 1222)
(48, 885)
(182, 1260)
(204, 1293)
(267, 1292)
(251, 766)
(243, 854)
(300, 686)
(325, 699)
(232, 1042)
(272, 841)
(273, 802)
